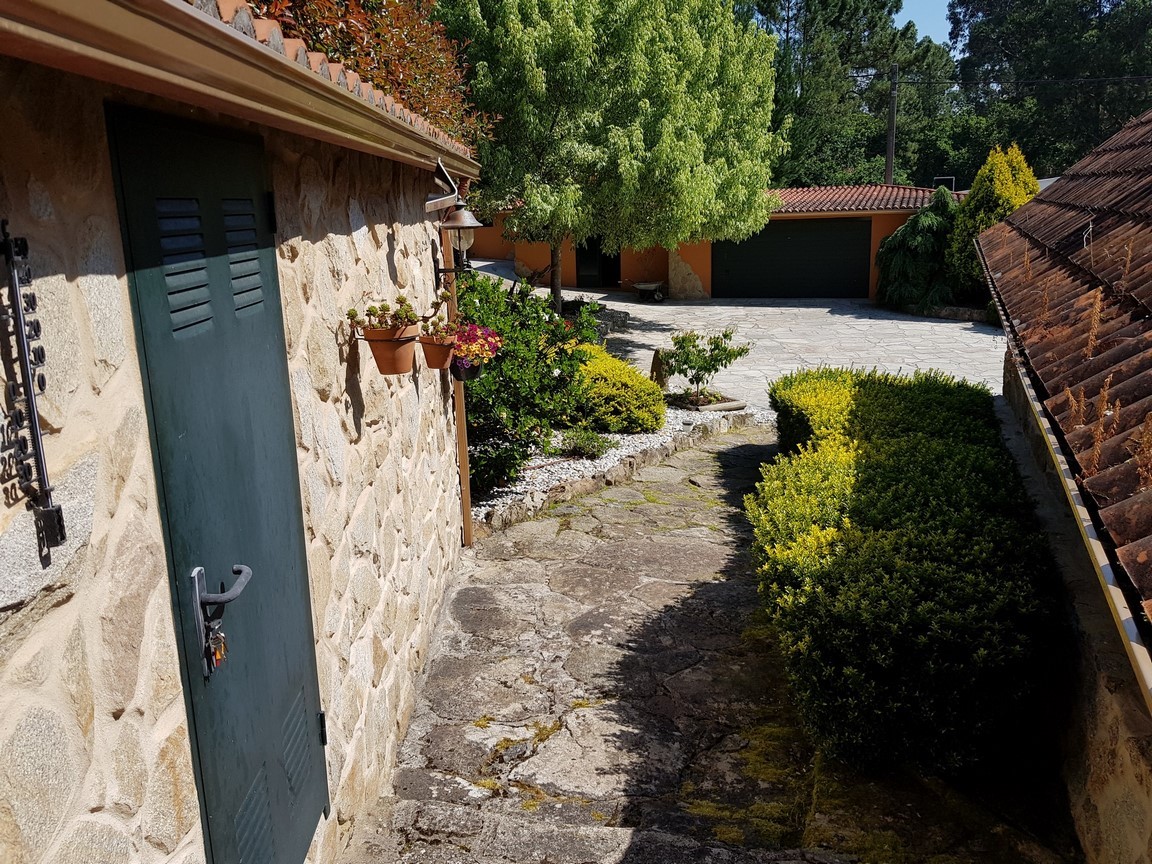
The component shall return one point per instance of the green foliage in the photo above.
(1053, 42)
(911, 259)
(827, 403)
(618, 397)
(698, 357)
(583, 443)
(899, 562)
(393, 45)
(532, 384)
(1002, 184)
(642, 121)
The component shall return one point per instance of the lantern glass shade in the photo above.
(460, 225)
(462, 239)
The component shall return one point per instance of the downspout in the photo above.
(1125, 621)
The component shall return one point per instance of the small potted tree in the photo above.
(698, 358)
(390, 333)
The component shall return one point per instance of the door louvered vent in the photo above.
(254, 841)
(243, 253)
(294, 748)
(184, 264)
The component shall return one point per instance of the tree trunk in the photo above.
(557, 294)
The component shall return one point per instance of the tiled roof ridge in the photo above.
(853, 198)
(238, 15)
(1122, 145)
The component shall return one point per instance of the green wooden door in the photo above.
(201, 264)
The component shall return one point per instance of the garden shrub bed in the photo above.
(900, 561)
(618, 398)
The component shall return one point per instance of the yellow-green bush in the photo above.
(899, 561)
(618, 397)
(1003, 183)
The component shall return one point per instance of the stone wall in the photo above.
(378, 461)
(1108, 749)
(94, 754)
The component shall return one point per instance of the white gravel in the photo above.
(542, 473)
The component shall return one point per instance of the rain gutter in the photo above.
(1138, 655)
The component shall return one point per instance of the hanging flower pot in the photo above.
(475, 346)
(438, 339)
(465, 373)
(437, 352)
(393, 348)
(390, 334)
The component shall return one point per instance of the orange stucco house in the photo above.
(821, 242)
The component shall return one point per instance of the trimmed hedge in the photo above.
(899, 560)
(618, 397)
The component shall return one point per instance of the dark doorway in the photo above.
(595, 268)
(796, 258)
(201, 264)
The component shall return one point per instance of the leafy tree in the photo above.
(393, 44)
(642, 121)
(1003, 183)
(1017, 58)
(911, 259)
(833, 76)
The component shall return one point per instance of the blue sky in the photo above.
(931, 17)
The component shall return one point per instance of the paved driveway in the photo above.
(792, 334)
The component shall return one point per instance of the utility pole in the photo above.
(890, 160)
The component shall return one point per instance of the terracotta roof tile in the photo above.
(1073, 268)
(238, 14)
(853, 199)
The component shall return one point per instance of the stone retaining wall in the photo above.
(1108, 748)
(94, 754)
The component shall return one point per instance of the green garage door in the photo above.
(796, 258)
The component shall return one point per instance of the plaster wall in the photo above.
(95, 763)
(1108, 745)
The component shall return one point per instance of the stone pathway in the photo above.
(599, 693)
(603, 691)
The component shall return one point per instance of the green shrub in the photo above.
(698, 358)
(811, 403)
(583, 443)
(899, 561)
(911, 258)
(618, 397)
(820, 403)
(1003, 183)
(531, 386)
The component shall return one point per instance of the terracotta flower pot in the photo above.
(466, 373)
(394, 348)
(437, 353)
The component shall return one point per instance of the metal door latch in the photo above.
(208, 610)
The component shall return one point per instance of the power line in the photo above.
(877, 76)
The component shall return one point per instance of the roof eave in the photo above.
(898, 212)
(169, 49)
(1138, 655)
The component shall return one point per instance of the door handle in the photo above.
(242, 573)
(208, 611)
